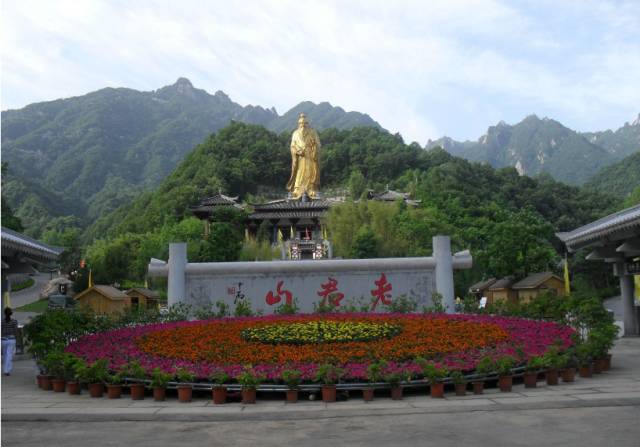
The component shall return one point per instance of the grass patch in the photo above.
(37, 306)
(23, 285)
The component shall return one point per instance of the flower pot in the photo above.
(607, 363)
(328, 393)
(437, 390)
(159, 393)
(137, 391)
(505, 383)
(367, 394)
(598, 365)
(461, 389)
(46, 382)
(552, 377)
(585, 371)
(396, 392)
(219, 395)
(73, 387)
(114, 391)
(40, 378)
(478, 387)
(530, 379)
(248, 395)
(292, 396)
(568, 374)
(96, 389)
(184, 393)
(58, 385)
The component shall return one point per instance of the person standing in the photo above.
(9, 334)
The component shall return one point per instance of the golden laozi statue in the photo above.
(305, 169)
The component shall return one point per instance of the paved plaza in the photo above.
(603, 409)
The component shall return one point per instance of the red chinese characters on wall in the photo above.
(329, 293)
(381, 293)
(272, 299)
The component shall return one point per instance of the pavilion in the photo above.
(614, 239)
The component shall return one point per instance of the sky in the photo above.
(421, 68)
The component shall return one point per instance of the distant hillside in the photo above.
(620, 178)
(95, 152)
(536, 146)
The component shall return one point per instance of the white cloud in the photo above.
(421, 68)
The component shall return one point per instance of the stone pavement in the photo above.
(22, 401)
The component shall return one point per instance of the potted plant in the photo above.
(185, 380)
(219, 390)
(39, 351)
(553, 362)
(135, 371)
(568, 373)
(54, 363)
(292, 378)
(484, 367)
(248, 382)
(504, 365)
(374, 374)
(329, 374)
(531, 370)
(583, 357)
(459, 382)
(114, 385)
(94, 375)
(71, 374)
(159, 380)
(435, 375)
(395, 378)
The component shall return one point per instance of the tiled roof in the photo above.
(284, 214)
(17, 241)
(606, 227)
(482, 285)
(144, 291)
(219, 199)
(534, 280)
(108, 291)
(503, 283)
(321, 204)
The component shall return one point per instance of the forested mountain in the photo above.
(536, 145)
(620, 178)
(507, 220)
(87, 155)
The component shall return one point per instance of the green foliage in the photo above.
(433, 373)
(258, 249)
(375, 370)
(219, 377)
(504, 365)
(486, 366)
(535, 363)
(292, 378)
(620, 178)
(54, 364)
(329, 374)
(95, 372)
(183, 375)
(159, 378)
(248, 379)
(365, 244)
(288, 309)
(133, 370)
(243, 309)
(402, 304)
(458, 377)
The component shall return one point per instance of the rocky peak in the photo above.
(183, 85)
(637, 121)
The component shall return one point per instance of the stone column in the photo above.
(628, 308)
(177, 278)
(444, 271)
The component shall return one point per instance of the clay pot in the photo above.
(40, 378)
(396, 392)
(328, 393)
(607, 363)
(58, 385)
(292, 396)
(137, 391)
(598, 365)
(367, 394)
(437, 390)
(73, 387)
(552, 377)
(585, 371)
(505, 383)
(478, 387)
(159, 393)
(461, 389)
(114, 391)
(248, 395)
(96, 389)
(184, 393)
(568, 374)
(530, 379)
(219, 395)
(45, 381)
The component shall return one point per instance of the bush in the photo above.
(159, 378)
(329, 374)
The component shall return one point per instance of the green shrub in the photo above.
(159, 378)
(292, 378)
(248, 379)
(183, 375)
(504, 365)
(329, 374)
(485, 366)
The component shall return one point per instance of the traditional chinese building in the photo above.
(393, 196)
(206, 208)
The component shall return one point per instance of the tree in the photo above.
(223, 244)
(357, 184)
(365, 244)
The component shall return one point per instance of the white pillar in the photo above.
(628, 308)
(444, 271)
(177, 263)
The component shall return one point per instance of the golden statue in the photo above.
(305, 169)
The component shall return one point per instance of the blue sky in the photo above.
(421, 68)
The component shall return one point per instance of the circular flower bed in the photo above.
(320, 331)
(272, 344)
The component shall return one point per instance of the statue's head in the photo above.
(302, 121)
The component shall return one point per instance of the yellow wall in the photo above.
(101, 304)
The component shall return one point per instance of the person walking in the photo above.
(9, 334)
